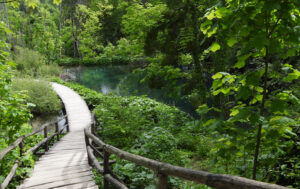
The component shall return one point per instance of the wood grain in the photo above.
(65, 165)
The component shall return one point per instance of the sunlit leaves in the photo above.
(231, 41)
(292, 76)
(32, 3)
(242, 61)
(205, 26)
(217, 13)
(214, 47)
(217, 76)
(57, 2)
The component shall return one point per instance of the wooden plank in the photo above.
(67, 170)
(44, 180)
(86, 185)
(60, 166)
(79, 148)
(63, 158)
(62, 183)
(50, 163)
(55, 174)
(65, 152)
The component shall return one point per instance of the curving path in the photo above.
(65, 165)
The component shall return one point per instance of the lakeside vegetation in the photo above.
(237, 61)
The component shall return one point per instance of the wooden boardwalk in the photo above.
(65, 165)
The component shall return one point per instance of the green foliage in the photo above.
(261, 120)
(97, 61)
(249, 47)
(40, 94)
(33, 64)
(14, 114)
(90, 27)
(13, 108)
(118, 115)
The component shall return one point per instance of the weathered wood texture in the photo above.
(65, 165)
(164, 170)
(21, 139)
(19, 142)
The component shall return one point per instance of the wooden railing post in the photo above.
(45, 136)
(67, 122)
(87, 144)
(93, 127)
(57, 131)
(21, 149)
(162, 181)
(105, 167)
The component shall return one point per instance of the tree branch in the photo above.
(8, 1)
(274, 27)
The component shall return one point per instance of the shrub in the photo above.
(40, 94)
(102, 60)
(32, 63)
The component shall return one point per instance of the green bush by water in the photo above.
(97, 61)
(32, 64)
(40, 94)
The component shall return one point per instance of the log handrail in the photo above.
(163, 170)
(22, 138)
(34, 149)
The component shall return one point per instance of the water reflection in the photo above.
(121, 81)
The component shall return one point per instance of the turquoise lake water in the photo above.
(121, 81)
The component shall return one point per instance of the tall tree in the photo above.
(267, 35)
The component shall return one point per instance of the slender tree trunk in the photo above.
(195, 53)
(60, 26)
(75, 44)
(262, 106)
(23, 30)
(9, 37)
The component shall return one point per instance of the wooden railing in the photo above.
(96, 148)
(44, 143)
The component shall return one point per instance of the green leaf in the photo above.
(231, 42)
(217, 83)
(213, 31)
(211, 15)
(292, 76)
(209, 122)
(217, 76)
(214, 47)
(221, 12)
(57, 2)
(234, 112)
(203, 109)
(205, 26)
(242, 61)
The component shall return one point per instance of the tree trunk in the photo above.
(262, 106)
(9, 37)
(195, 53)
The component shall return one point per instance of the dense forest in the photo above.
(235, 61)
